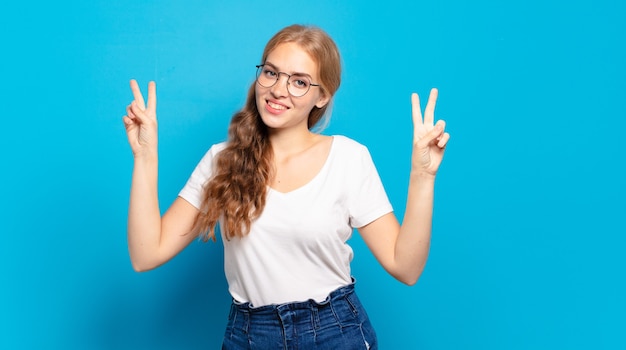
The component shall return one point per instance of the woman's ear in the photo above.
(323, 100)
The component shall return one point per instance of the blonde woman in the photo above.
(286, 200)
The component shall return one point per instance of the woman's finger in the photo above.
(152, 100)
(416, 111)
(129, 111)
(136, 112)
(432, 135)
(429, 111)
(128, 121)
(137, 94)
(444, 140)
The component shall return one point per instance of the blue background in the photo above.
(529, 228)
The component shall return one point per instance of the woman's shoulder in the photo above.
(210, 154)
(218, 147)
(345, 143)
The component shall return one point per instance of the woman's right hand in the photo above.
(140, 121)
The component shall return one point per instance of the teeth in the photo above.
(276, 106)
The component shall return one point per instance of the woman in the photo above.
(286, 200)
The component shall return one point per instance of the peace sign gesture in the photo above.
(140, 121)
(429, 139)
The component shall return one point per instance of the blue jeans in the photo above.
(337, 323)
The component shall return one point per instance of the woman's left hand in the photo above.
(429, 139)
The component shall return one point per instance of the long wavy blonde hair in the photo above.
(237, 190)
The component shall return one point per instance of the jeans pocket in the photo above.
(354, 304)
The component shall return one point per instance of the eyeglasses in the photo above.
(297, 84)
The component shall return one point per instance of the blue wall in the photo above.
(529, 228)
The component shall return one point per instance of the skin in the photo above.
(402, 249)
(298, 153)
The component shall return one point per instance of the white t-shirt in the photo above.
(297, 249)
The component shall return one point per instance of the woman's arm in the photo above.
(403, 249)
(152, 240)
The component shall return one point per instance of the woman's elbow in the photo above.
(409, 278)
(410, 281)
(139, 268)
(142, 266)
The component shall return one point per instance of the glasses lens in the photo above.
(298, 85)
(266, 76)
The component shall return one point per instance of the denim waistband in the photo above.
(336, 294)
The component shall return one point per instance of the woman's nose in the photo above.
(281, 89)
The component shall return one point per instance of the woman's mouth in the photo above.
(276, 106)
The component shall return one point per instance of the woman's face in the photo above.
(278, 108)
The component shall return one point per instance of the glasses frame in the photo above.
(259, 66)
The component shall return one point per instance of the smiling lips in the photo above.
(273, 106)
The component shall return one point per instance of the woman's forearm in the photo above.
(144, 217)
(413, 244)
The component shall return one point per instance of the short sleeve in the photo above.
(368, 200)
(193, 190)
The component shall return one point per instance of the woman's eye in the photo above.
(270, 73)
(301, 83)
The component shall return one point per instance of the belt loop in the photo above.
(233, 311)
(315, 317)
(246, 320)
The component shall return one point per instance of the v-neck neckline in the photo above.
(314, 179)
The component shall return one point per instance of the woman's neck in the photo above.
(289, 142)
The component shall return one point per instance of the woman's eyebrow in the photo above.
(293, 73)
